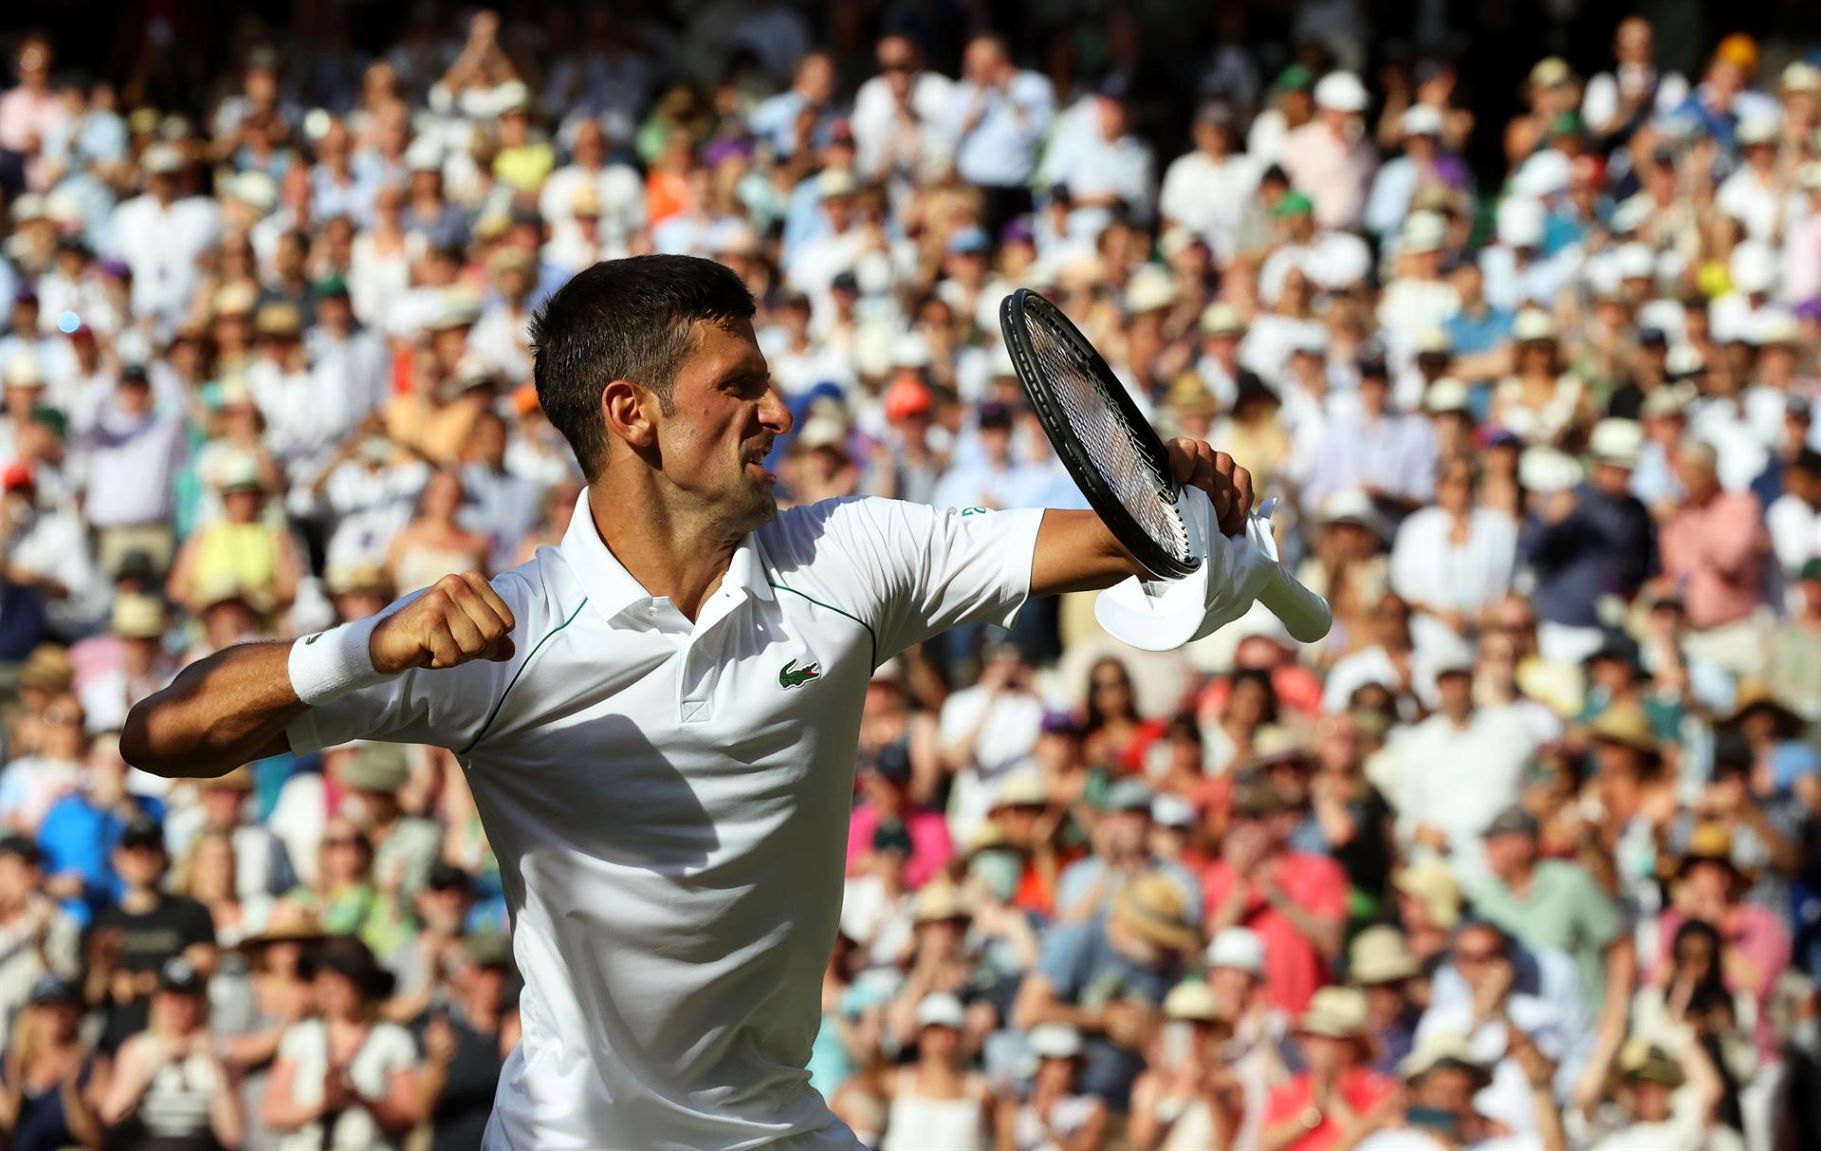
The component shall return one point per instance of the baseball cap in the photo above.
(1128, 795)
(445, 876)
(1511, 821)
(995, 415)
(142, 831)
(180, 975)
(970, 241)
(377, 767)
(1294, 203)
(49, 988)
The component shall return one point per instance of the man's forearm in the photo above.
(219, 713)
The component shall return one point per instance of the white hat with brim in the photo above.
(1544, 469)
(1352, 506)
(1420, 120)
(941, 1010)
(1055, 1041)
(162, 159)
(1617, 442)
(1446, 395)
(1341, 92)
(1532, 325)
(1240, 948)
(1444, 1049)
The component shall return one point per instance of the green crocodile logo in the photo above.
(790, 675)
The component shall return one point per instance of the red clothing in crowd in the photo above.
(1360, 1087)
(1293, 966)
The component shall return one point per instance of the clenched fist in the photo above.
(458, 619)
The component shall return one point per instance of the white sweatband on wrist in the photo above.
(330, 664)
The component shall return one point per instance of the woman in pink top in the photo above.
(1755, 944)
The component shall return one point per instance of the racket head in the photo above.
(1108, 447)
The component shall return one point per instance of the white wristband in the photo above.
(330, 664)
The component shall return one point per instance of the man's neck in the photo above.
(1522, 880)
(672, 555)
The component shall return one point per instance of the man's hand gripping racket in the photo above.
(1153, 498)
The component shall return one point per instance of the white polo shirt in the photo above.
(669, 803)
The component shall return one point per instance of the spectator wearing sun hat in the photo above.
(1320, 1107)
(1106, 976)
(1329, 156)
(1380, 964)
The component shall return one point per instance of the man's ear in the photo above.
(627, 410)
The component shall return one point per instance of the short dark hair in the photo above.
(625, 319)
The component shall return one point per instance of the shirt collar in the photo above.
(611, 588)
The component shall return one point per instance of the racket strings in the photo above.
(1147, 495)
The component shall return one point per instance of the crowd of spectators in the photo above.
(1524, 856)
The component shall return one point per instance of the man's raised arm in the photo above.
(1076, 552)
(234, 706)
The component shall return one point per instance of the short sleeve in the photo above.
(912, 570)
(443, 708)
(1060, 960)
(1599, 914)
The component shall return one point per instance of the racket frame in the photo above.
(1015, 312)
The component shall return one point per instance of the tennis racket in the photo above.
(1115, 456)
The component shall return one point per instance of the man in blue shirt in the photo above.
(81, 831)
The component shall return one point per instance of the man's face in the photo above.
(724, 415)
(140, 866)
(1509, 854)
(1456, 693)
(18, 879)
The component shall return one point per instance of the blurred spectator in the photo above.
(168, 1086)
(345, 1077)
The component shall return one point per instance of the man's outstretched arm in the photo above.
(1076, 552)
(234, 706)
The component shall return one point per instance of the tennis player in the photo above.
(658, 717)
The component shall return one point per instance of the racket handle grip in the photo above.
(1305, 615)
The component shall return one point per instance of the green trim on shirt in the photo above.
(513, 682)
(870, 634)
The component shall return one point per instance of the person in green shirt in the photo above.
(1556, 904)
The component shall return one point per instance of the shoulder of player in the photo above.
(542, 592)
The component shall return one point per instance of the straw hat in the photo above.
(1335, 1012)
(1755, 695)
(1380, 955)
(1022, 789)
(1626, 724)
(1445, 1049)
(1640, 1061)
(939, 902)
(1189, 396)
(48, 667)
(240, 779)
(1155, 906)
(1195, 1002)
(138, 617)
(1433, 885)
